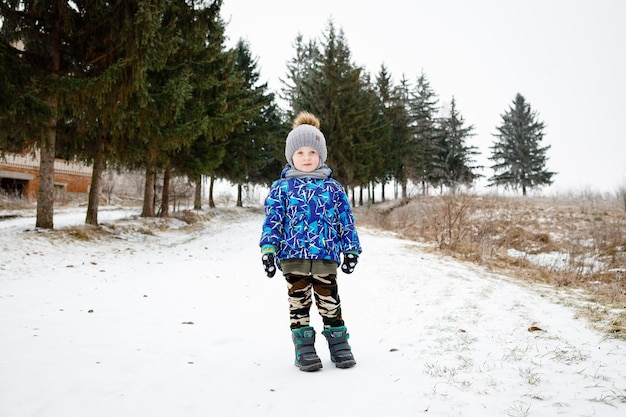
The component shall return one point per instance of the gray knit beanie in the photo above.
(305, 133)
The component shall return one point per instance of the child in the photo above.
(308, 226)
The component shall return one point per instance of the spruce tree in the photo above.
(37, 39)
(373, 140)
(251, 135)
(300, 68)
(402, 138)
(454, 157)
(395, 140)
(519, 159)
(423, 110)
(111, 46)
(82, 61)
(332, 88)
(214, 80)
(164, 115)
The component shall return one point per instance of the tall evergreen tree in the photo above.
(38, 37)
(395, 139)
(454, 156)
(215, 81)
(519, 159)
(163, 115)
(169, 90)
(423, 109)
(300, 68)
(372, 141)
(272, 141)
(246, 143)
(111, 46)
(332, 88)
(384, 89)
(103, 50)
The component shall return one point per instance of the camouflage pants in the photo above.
(302, 288)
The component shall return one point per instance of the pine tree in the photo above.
(251, 136)
(520, 160)
(82, 60)
(169, 91)
(112, 50)
(423, 109)
(370, 140)
(395, 141)
(215, 81)
(272, 141)
(164, 115)
(384, 91)
(455, 157)
(332, 88)
(37, 38)
(299, 71)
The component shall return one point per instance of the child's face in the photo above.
(306, 159)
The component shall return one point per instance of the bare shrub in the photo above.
(621, 195)
(10, 201)
(450, 221)
(188, 216)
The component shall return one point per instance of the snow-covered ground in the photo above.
(181, 321)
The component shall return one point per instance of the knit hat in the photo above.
(306, 132)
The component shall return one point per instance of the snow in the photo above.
(159, 318)
(560, 261)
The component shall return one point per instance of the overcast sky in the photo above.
(566, 57)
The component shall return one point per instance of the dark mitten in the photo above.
(269, 264)
(349, 262)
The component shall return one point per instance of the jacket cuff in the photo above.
(268, 249)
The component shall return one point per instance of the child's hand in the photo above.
(349, 262)
(268, 264)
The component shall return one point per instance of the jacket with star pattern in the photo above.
(308, 218)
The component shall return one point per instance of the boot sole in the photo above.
(310, 368)
(345, 364)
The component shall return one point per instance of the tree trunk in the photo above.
(361, 195)
(395, 189)
(96, 184)
(405, 193)
(148, 192)
(211, 186)
(197, 199)
(45, 195)
(165, 197)
(239, 195)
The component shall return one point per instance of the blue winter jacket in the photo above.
(309, 218)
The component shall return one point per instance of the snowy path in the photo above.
(177, 324)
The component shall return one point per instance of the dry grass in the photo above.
(576, 243)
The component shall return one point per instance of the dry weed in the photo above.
(572, 243)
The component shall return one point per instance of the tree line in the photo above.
(152, 85)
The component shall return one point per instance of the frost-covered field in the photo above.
(160, 318)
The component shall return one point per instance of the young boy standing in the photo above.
(308, 227)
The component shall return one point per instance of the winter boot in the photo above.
(304, 342)
(340, 350)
